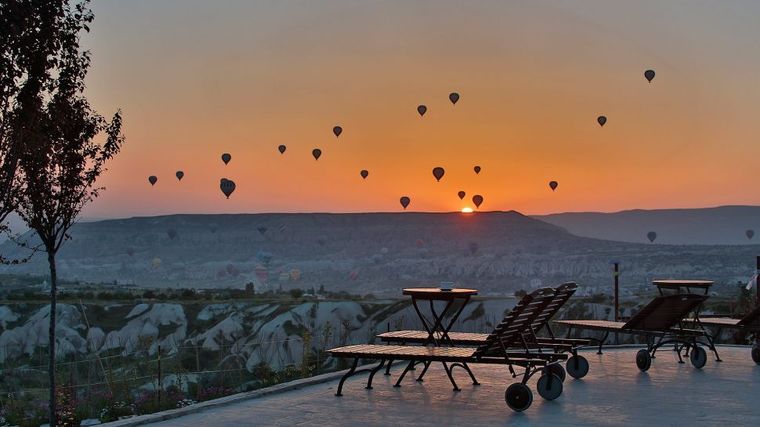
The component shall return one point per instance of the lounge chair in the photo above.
(577, 366)
(500, 347)
(749, 324)
(660, 322)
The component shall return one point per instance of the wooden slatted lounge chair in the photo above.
(749, 324)
(660, 322)
(577, 365)
(498, 348)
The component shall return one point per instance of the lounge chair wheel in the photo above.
(549, 386)
(698, 357)
(558, 370)
(756, 354)
(577, 366)
(643, 360)
(518, 397)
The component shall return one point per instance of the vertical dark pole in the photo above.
(757, 293)
(617, 290)
(617, 298)
(757, 288)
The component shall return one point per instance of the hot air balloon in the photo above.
(262, 230)
(476, 169)
(453, 97)
(152, 179)
(179, 175)
(422, 110)
(461, 195)
(649, 75)
(602, 120)
(316, 153)
(171, 233)
(282, 149)
(652, 236)
(227, 186)
(477, 200)
(750, 234)
(226, 158)
(553, 185)
(404, 201)
(364, 173)
(438, 173)
(337, 130)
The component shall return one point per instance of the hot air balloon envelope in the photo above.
(477, 200)
(461, 195)
(282, 149)
(649, 75)
(179, 175)
(438, 173)
(152, 179)
(553, 185)
(652, 236)
(453, 97)
(476, 169)
(421, 109)
(337, 130)
(404, 201)
(316, 153)
(364, 173)
(601, 120)
(750, 234)
(226, 157)
(227, 186)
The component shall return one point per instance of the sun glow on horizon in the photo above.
(467, 209)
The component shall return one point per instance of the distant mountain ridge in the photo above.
(380, 253)
(722, 225)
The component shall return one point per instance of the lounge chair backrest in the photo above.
(664, 312)
(562, 293)
(508, 332)
(752, 319)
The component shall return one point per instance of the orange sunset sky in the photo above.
(199, 78)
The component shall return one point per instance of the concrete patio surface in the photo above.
(615, 392)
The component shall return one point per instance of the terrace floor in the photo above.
(614, 392)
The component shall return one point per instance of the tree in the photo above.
(22, 37)
(56, 130)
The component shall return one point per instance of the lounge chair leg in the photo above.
(372, 374)
(424, 370)
(345, 377)
(472, 376)
(451, 378)
(712, 347)
(680, 359)
(601, 342)
(403, 374)
(388, 367)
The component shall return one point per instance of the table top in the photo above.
(674, 283)
(438, 294)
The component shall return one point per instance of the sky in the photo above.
(196, 79)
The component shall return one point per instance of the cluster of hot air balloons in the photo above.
(227, 186)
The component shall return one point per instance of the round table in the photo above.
(678, 284)
(438, 331)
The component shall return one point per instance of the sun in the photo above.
(467, 209)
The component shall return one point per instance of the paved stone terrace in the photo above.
(615, 392)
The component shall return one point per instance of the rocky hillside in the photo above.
(270, 333)
(496, 252)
